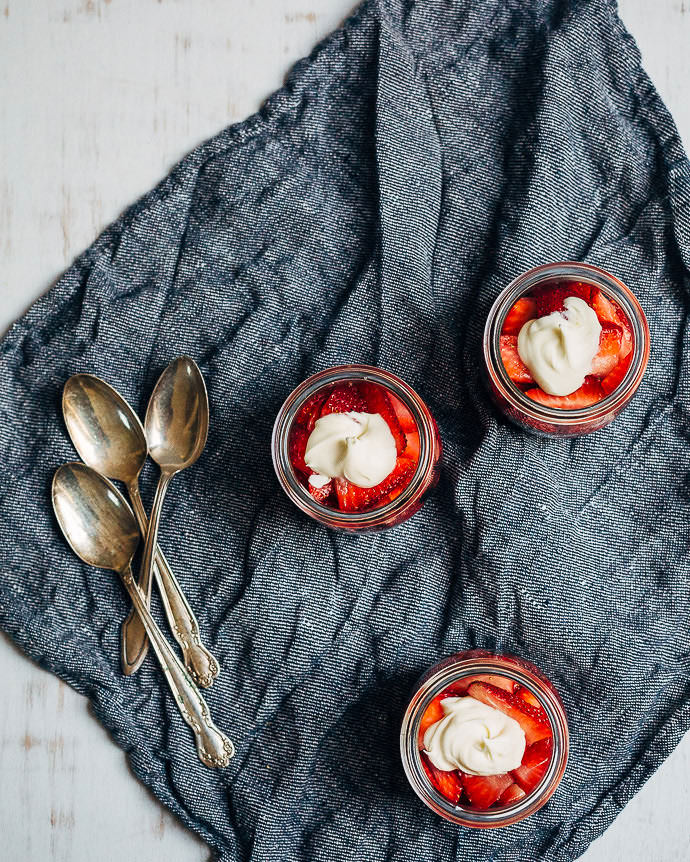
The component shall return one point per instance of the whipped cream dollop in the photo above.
(474, 737)
(559, 348)
(358, 447)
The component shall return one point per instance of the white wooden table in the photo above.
(98, 98)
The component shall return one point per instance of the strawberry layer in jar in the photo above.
(565, 346)
(484, 740)
(356, 448)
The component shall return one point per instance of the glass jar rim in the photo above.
(447, 672)
(611, 286)
(415, 488)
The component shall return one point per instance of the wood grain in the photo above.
(98, 98)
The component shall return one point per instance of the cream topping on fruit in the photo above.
(475, 738)
(358, 447)
(559, 348)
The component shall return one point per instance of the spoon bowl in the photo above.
(106, 432)
(96, 520)
(177, 416)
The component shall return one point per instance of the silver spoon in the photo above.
(102, 531)
(176, 429)
(109, 437)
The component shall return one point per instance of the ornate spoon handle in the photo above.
(213, 746)
(134, 641)
(199, 661)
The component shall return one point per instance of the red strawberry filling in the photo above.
(524, 309)
(534, 764)
(517, 370)
(448, 784)
(610, 363)
(359, 397)
(481, 792)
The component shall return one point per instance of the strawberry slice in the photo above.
(589, 393)
(534, 765)
(512, 794)
(377, 401)
(448, 784)
(552, 297)
(529, 698)
(534, 726)
(608, 312)
(344, 399)
(516, 368)
(484, 790)
(494, 679)
(433, 713)
(524, 309)
(615, 378)
(352, 498)
(412, 448)
(298, 445)
(407, 423)
(610, 342)
(309, 411)
(321, 495)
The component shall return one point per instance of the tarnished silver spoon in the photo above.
(109, 437)
(176, 429)
(102, 531)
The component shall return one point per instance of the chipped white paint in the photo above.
(98, 98)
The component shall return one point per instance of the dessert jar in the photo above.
(408, 500)
(451, 671)
(546, 420)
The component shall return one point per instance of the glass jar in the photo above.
(408, 501)
(450, 671)
(539, 418)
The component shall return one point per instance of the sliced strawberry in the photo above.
(516, 368)
(528, 697)
(494, 679)
(534, 726)
(484, 790)
(309, 411)
(352, 498)
(610, 342)
(321, 495)
(534, 765)
(615, 378)
(552, 297)
(406, 419)
(577, 288)
(448, 784)
(432, 714)
(512, 794)
(524, 309)
(589, 393)
(298, 444)
(343, 399)
(412, 449)
(384, 501)
(377, 401)
(608, 312)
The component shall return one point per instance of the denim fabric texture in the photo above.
(423, 155)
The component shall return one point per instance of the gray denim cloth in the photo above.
(423, 156)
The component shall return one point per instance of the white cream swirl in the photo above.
(358, 447)
(475, 738)
(559, 348)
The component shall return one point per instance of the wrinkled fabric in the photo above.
(423, 156)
